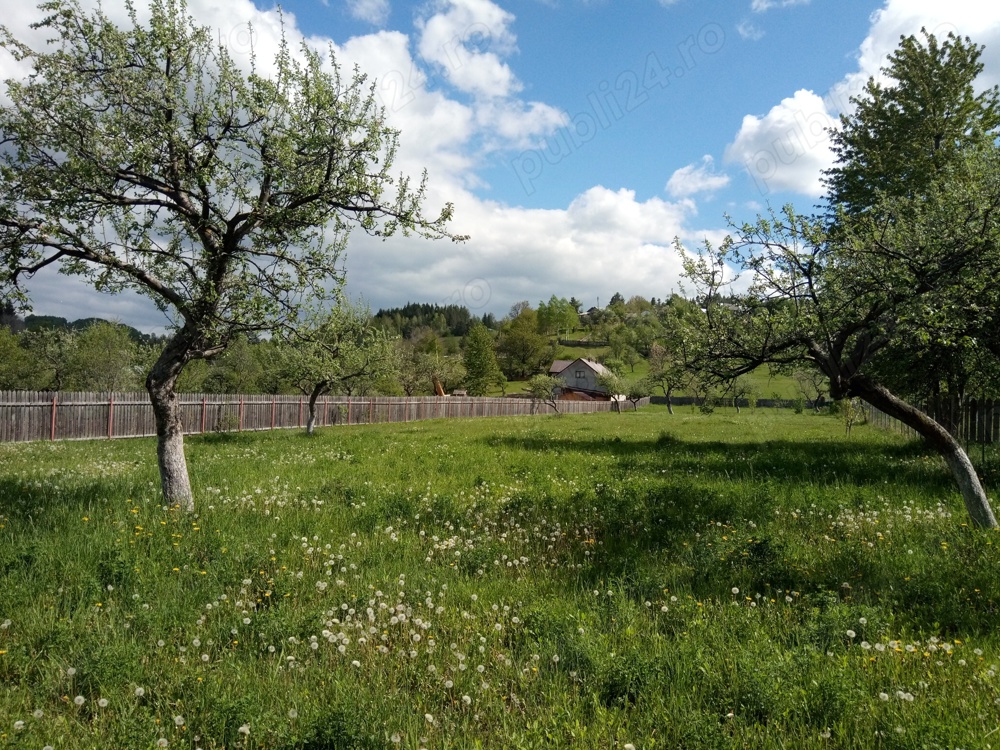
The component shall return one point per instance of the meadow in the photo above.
(635, 580)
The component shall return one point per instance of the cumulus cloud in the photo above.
(787, 148)
(604, 241)
(373, 11)
(466, 40)
(699, 177)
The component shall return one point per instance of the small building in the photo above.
(580, 374)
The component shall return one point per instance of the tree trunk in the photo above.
(670, 406)
(313, 398)
(160, 384)
(973, 494)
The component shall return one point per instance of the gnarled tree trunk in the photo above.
(160, 384)
(973, 494)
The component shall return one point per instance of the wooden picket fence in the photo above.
(28, 415)
(970, 422)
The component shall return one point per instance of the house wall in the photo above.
(587, 382)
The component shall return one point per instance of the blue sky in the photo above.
(576, 138)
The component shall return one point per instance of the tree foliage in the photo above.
(482, 372)
(911, 124)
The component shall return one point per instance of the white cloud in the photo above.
(466, 40)
(696, 178)
(787, 148)
(748, 30)
(373, 11)
(759, 6)
(604, 241)
(518, 124)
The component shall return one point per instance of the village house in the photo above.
(580, 376)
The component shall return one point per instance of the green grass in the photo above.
(756, 580)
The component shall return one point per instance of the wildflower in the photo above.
(293, 714)
(103, 702)
(851, 634)
(179, 721)
(139, 692)
(555, 658)
(429, 718)
(883, 696)
(735, 590)
(466, 700)
(162, 742)
(70, 671)
(38, 713)
(18, 726)
(396, 739)
(79, 700)
(629, 746)
(244, 729)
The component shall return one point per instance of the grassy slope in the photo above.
(688, 581)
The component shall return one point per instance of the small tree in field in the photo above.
(545, 389)
(338, 347)
(143, 158)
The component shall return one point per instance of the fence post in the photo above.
(241, 414)
(204, 411)
(348, 410)
(111, 415)
(371, 410)
(274, 400)
(326, 411)
(52, 430)
(300, 411)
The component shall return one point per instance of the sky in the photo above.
(576, 138)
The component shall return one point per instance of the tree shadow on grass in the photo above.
(842, 462)
(44, 506)
(703, 517)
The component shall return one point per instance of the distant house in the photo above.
(580, 375)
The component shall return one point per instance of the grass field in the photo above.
(595, 581)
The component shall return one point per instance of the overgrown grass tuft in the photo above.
(753, 580)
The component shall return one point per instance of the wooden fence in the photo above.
(969, 422)
(79, 416)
